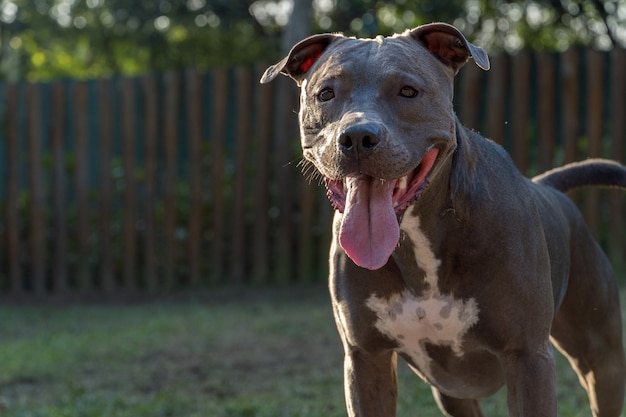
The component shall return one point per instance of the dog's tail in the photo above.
(599, 172)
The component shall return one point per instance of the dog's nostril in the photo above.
(370, 142)
(364, 142)
(345, 141)
(360, 139)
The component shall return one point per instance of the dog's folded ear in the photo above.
(449, 45)
(301, 58)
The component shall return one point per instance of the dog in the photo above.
(442, 251)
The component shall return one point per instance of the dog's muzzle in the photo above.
(372, 207)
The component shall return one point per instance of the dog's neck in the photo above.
(441, 211)
(436, 202)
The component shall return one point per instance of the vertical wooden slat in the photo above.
(283, 121)
(59, 189)
(4, 175)
(150, 89)
(220, 101)
(194, 128)
(617, 249)
(261, 244)
(13, 158)
(37, 222)
(470, 90)
(496, 101)
(570, 90)
(129, 215)
(325, 221)
(105, 188)
(81, 142)
(546, 115)
(595, 101)
(520, 77)
(170, 137)
(306, 233)
(239, 217)
(595, 123)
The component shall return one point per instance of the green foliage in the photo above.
(46, 39)
(95, 38)
(495, 24)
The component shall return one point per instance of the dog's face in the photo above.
(366, 110)
(376, 120)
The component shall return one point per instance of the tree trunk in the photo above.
(299, 25)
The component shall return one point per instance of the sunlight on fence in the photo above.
(182, 179)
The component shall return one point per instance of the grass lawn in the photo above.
(231, 353)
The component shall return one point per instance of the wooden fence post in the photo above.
(497, 90)
(595, 124)
(81, 178)
(470, 94)
(59, 189)
(238, 219)
(284, 118)
(570, 117)
(305, 242)
(37, 201)
(617, 116)
(129, 214)
(261, 187)
(13, 223)
(220, 101)
(150, 102)
(520, 103)
(105, 181)
(546, 114)
(194, 124)
(170, 138)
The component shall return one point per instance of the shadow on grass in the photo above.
(230, 353)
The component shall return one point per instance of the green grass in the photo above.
(233, 353)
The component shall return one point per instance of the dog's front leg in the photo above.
(531, 383)
(370, 383)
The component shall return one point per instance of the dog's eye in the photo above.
(408, 92)
(326, 94)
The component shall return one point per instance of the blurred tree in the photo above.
(299, 24)
(43, 39)
(494, 24)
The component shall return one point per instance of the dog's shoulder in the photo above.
(482, 172)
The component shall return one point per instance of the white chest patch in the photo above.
(433, 318)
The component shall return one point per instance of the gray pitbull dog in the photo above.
(443, 252)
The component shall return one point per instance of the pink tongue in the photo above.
(369, 229)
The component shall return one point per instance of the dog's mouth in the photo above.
(406, 189)
(372, 208)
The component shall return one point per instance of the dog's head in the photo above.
(376, 120)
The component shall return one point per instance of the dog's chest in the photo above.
(414, 321)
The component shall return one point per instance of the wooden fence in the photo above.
(189, 179)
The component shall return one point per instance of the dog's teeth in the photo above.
(402, 183)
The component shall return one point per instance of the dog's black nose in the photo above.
(360, 139)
